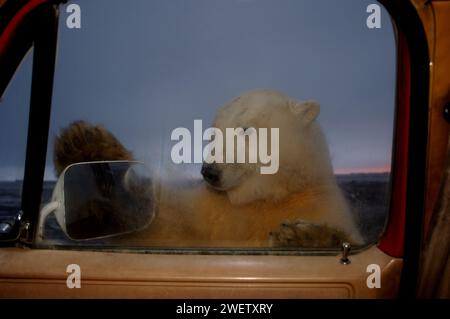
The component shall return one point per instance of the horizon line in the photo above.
(367, 170)
(339, 171)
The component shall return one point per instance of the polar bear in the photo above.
(300, 205)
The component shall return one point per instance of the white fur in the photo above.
(250, 204)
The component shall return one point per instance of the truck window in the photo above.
(307, 106)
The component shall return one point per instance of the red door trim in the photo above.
(393, 238)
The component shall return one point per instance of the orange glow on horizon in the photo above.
(366, 170)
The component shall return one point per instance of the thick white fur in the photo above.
(250, 205)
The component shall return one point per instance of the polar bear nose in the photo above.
(211, 174)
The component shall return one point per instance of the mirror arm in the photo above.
(45, 211)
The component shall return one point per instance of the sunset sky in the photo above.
(145, 69)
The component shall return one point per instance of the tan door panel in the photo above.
(42, 274)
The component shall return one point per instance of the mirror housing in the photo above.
(93, 200)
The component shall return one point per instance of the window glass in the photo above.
(308, 87)
(14, 108)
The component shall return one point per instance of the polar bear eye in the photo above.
(248, 130)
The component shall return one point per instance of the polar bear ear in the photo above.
(307, 110)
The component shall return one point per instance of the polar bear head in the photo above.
(303, 156)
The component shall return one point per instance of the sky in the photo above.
(144, 69)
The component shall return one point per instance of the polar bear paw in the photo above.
(300, 233)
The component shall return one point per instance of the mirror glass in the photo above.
(107, 198)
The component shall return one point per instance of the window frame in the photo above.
(402, 237)
(32, 23)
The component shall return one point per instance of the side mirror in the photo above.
(101, 199)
